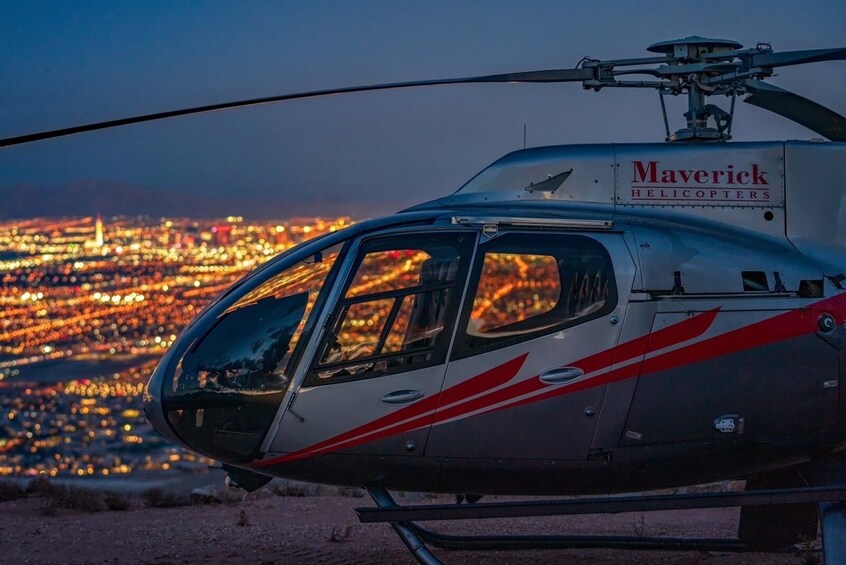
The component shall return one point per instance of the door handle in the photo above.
(405, 396)
(561, 375)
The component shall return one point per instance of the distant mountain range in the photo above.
(111, 198)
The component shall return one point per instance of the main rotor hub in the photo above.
(694, 66)
(695, 58)
(692, 48)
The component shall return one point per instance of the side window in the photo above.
(524, 286)
(397, 308)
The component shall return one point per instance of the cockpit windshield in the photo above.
(244, 350)
(227, 386)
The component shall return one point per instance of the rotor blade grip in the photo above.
(786, 58)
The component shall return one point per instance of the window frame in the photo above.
(335, 318)
(464, 346)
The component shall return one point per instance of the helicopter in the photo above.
(574, 320)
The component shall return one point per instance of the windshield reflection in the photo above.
(242, 352)
(227, 387)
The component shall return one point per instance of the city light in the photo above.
(89, 306)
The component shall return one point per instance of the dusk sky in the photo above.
(65, 63)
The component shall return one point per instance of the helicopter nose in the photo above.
(221, 384)
(153, 407)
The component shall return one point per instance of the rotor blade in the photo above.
(786, 58)
(555, 75)
(805, 112)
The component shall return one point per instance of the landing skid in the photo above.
(403, 520)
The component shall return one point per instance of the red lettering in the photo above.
(758, 176)
(641, 173)
(651, 172)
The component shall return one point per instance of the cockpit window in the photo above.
(397, 308)
(244, 351)
(383, 271)
(525, 286)
(228, 385)
(249, 347)
(304, 280)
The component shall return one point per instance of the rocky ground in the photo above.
(278, 525)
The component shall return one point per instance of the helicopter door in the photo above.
(373, 382)
(534, 342)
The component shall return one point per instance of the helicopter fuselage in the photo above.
(574, 319)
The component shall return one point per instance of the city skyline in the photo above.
(89, 307)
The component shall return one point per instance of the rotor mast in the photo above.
(688, 53)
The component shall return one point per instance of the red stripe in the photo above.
(789, 325)
(489, 379)
(677, 333)
(785, 326)
(672, 335)
(688, 329)
(401, 421)
(497, 376)
(792, 324)
(683, 331)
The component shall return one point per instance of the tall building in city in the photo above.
(99, 240)
(99, 237)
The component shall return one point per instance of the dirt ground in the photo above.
(268, 528)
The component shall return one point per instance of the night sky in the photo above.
(63, 63)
